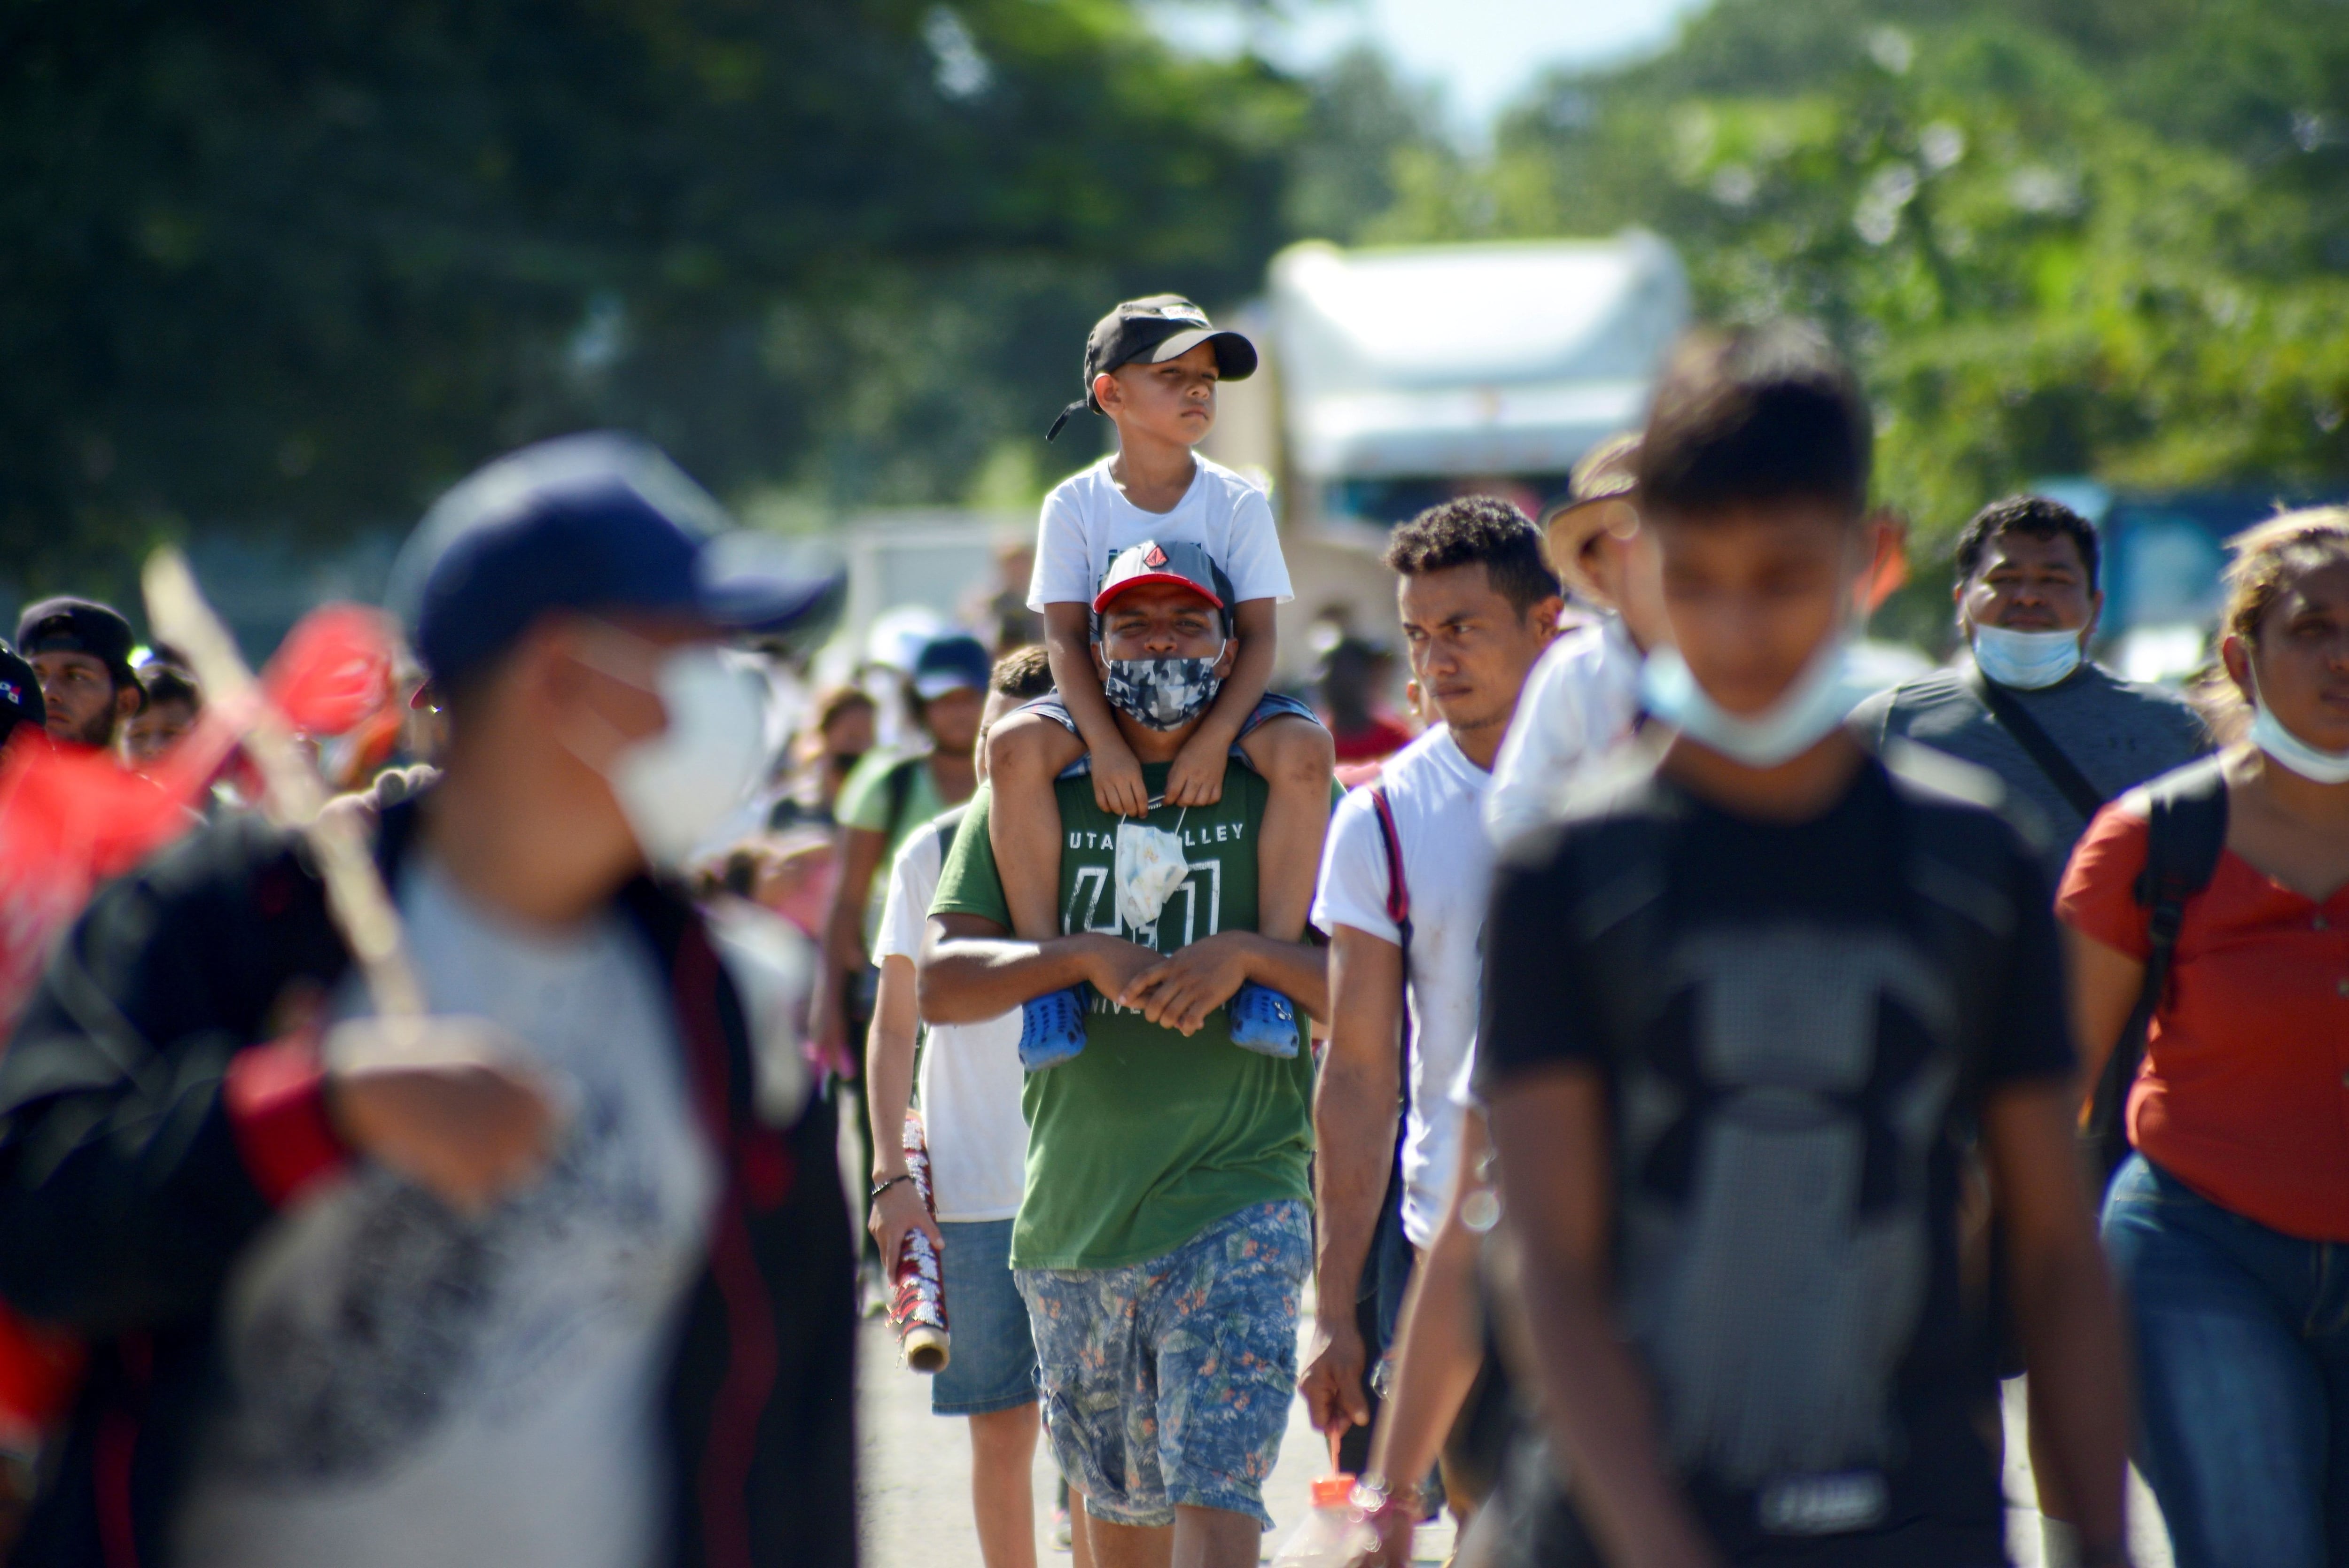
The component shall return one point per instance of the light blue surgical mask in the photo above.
(2270, 735)
(1818, 701)
(2026, 661)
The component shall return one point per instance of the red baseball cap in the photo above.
(1177, 560)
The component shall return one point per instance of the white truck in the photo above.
(1391, 379)
(1395, 378)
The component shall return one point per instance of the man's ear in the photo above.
(1101, 659)
(1230, 655)
(1545, 611)
(1108, 392)
(126, 703)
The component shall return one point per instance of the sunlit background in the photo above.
(274, 274)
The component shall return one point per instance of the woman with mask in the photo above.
(2229, 1226)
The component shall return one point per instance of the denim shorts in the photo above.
(1270, 706)
(993, 1362)
(1167, 1382)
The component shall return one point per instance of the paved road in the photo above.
(915, 1474)
(914, 1478)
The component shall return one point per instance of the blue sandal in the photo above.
(1052, 1026)
(1263, 1020)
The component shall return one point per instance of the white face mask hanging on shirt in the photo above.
(1151, 864)
(2288, 751)
(1818, 700)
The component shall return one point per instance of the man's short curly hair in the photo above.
(1473, 528)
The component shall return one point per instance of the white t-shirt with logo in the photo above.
(410, 1385)
(1087, 520)
(1437, 796)
(970, 1079)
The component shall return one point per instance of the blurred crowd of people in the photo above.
(1651, 1072)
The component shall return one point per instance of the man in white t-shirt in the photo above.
(1478, 604)
(970, 1084)
(1583, 696)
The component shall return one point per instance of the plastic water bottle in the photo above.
(1333, 1535)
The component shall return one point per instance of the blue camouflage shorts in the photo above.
(1168, 1382)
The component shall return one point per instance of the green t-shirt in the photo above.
(1146, 1138)
(863, 802)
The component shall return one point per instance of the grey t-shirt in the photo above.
(2117, 733)
(408, 1385)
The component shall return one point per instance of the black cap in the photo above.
(20, 695)
(1154, 331)
(79, 626)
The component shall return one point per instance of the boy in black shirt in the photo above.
(1745, 1007)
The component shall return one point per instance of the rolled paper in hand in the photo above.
(917, 1304)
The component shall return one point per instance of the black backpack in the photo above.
(2186, 830)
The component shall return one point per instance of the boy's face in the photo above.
(152, 733)
(1174, 402)
(1751, 592)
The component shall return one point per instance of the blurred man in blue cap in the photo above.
(82, 650)
(555, 1279)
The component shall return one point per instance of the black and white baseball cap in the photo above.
(1152, 331)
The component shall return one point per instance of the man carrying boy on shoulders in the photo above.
(1164, 1233)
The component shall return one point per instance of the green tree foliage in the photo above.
(2059, 236)
(292, 266)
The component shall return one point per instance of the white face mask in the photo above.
(1151, 864)
(2289, 750)
(1817, 702)
(676, 785)
(2027, 661)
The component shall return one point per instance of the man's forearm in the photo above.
(2064, 1308)
(889, 1066)
(1354, 1110)
(2071, 1336)
(1437, 1353)
(969, 979)
(1298, 970)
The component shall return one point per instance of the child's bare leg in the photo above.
(1025, 752)
(1296, 757)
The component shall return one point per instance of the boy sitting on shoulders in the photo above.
(1151, 367)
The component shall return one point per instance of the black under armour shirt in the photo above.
(1796, 1023)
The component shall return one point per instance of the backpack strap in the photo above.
(900, 785)
(1398, 911)
(946, 825)
(1398, 890)
(2015, 719)
(2186, 832)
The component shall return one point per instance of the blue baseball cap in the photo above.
(950, 663)
(597, 522)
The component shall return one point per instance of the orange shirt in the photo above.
(2244, 1095)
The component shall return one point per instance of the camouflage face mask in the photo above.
(1162, 693)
